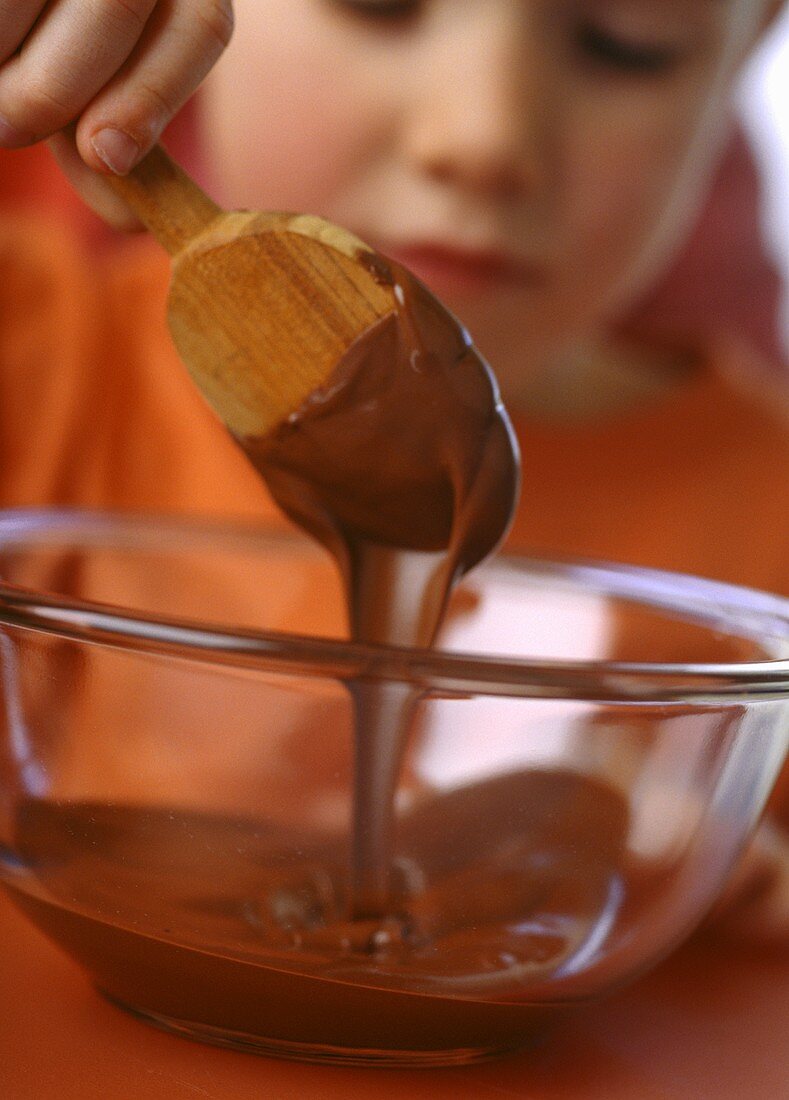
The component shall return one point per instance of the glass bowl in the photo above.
(197, 805)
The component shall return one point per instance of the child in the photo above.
(537, 164)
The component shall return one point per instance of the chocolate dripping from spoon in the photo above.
(405, 467)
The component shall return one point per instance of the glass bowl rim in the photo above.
(448, 673)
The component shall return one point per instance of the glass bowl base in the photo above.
(311, 1052)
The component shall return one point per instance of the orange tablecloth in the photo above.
(710, 1024)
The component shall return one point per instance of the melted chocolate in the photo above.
(407, 449)
(405, 467)
(240, 924)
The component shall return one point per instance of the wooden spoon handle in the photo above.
(166, 200)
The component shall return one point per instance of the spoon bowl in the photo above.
(262, 306)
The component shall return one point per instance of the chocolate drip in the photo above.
(408, 448)
(405, 467)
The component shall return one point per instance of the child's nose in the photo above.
(479, 116)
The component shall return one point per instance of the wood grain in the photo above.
(262, 306)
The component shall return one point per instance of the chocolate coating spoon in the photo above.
(360, 399)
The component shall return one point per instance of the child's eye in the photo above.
(382, 9)
(626, 55)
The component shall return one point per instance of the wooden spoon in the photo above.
(262, 307)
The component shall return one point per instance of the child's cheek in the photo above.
(631, 201)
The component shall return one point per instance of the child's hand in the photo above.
(117, 69)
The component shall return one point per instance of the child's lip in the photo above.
(457, 271)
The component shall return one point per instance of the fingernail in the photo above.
(10, 136)
(117, 150)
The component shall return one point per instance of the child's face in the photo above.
(532, 160)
